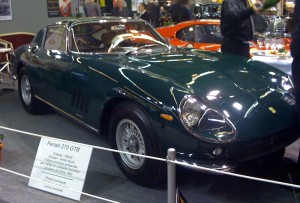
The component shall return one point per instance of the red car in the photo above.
(201, 34)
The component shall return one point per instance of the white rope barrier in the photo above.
(87, 145)
(158, 159)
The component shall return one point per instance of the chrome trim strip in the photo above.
(69, 115)
(93, 69)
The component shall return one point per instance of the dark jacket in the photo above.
(154, 13)
(295, 45)
(145, 16)
(175, 12)
(124, 12)
(186, 13)
(235, 20)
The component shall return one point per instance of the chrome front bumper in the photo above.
(203, 165)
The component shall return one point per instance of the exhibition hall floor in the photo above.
(104, 178)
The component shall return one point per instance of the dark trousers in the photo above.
(296, 81)
(232, 46)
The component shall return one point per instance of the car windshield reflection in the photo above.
(114, 37)
(134, 42)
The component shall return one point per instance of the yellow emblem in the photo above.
(272, 110)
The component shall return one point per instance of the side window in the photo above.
(201, 34)
(54, 38)
(64, 41)
(186, 34)
(87, 37)
(214, 35)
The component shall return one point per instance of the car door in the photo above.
(54, 69)
(87, 87)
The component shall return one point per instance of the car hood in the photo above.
(204, 72)
(242, 88)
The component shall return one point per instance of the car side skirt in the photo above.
(68, 115)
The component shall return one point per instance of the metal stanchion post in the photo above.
(171, 176)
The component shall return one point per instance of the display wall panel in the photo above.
(29, 16)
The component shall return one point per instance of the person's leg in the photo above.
(296, 81)
(244, 50)
(226, 46)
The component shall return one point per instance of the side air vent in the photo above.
(80, 101)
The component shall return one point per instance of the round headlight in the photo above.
(192, 113)
(204, 122)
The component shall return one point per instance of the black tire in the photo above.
(31, 104)
(129, 118)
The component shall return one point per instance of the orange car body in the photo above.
(210, 28)
(171, 33)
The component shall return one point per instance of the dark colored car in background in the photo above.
(207, 10)
(120, 78)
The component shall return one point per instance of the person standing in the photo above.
(91, 9)
(144, 13)
(175, 11)
(164, 17)
(186, 10)
(120, 9)
(237, 26)
(154, 11)
(295, 52)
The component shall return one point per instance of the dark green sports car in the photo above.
(119, 77)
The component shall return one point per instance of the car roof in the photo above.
(204, 20)
(72, 21)
(199, 21)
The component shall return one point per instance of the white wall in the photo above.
(29, 16)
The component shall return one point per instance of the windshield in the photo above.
(107, 37)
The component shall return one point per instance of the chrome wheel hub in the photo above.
(26, 90)
(130, 139)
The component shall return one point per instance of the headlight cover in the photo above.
(204, 122)
(287, 84)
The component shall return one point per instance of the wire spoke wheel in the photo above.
(26, 90)
(131, 131)
(27, 95)
(130, 139)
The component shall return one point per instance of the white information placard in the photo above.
(60, 163)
